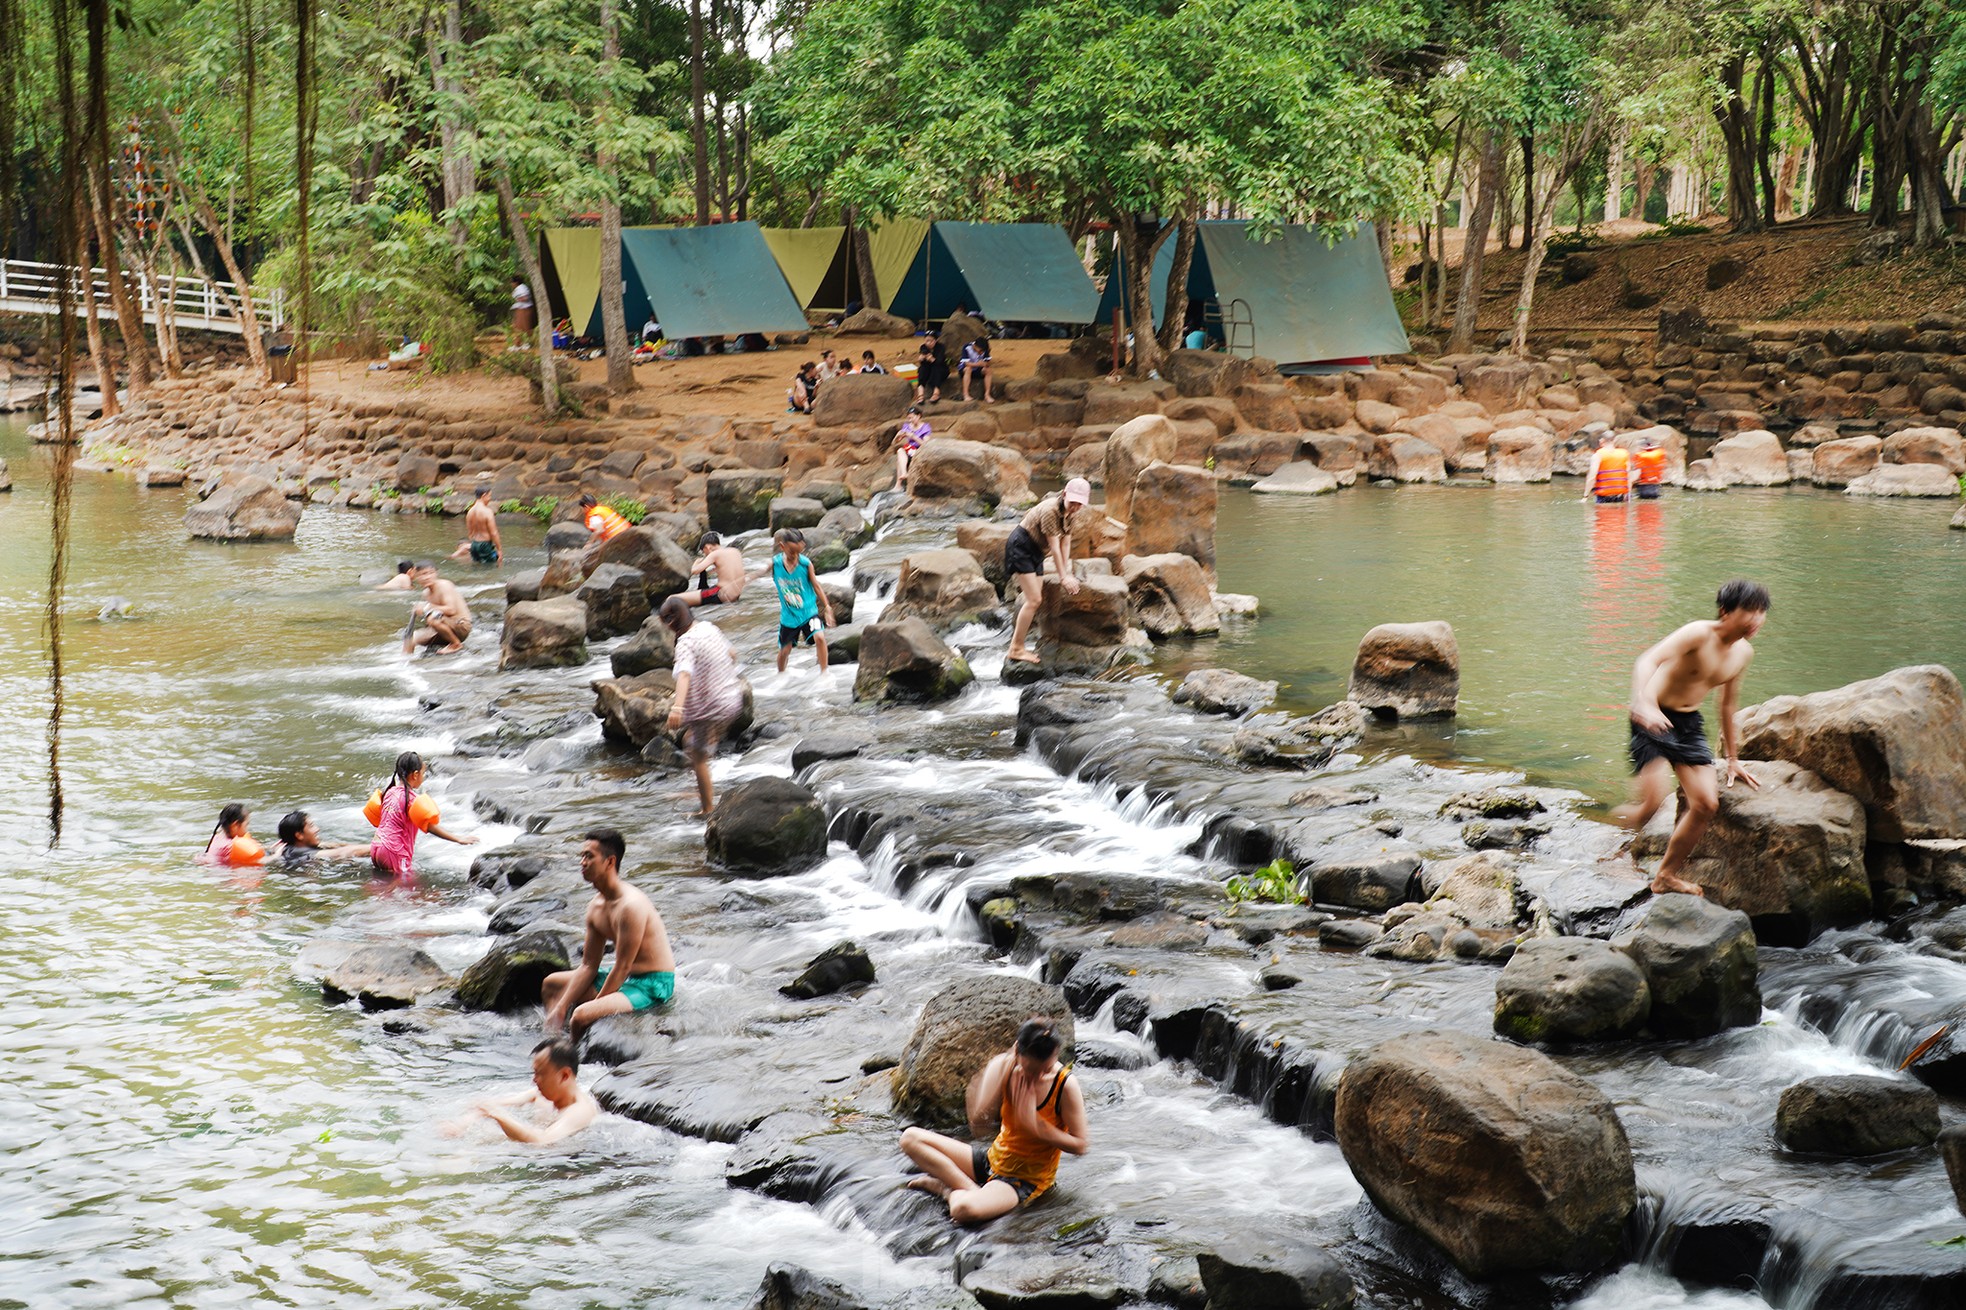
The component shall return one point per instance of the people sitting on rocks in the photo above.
(642, 974)
(557, 1106)
(709, 694)
(831, 366)
(868, 364)
(398, 813)
(441, 620)
(931, 369)
(1049, 522)
(914, 431)
(231, 846)
(1668, 737)
(975, 360)
(1040, 1114)
(604, 522)
(805, 388)
(801, 600)
(719, 580)
(402, 581)
(481, 540)
(300, 843)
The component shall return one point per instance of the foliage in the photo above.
(1559, 244)
(1275, 882)
(628, 507)
(540, 507)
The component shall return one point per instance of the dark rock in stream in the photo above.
(1952, 1149)
(841, 965)
(1274, 1277)
(567, 538)
(1856, 1115)
(544, 634)
(555, 896)
(906, 661)
(766, 826)
(617, 601)
(1700, 963)
(1221, 691)
(508, 976)
(1570, 989)
(652, 647)
(512, 867)
(380, 975)
(817, 746)
(791, 1287)
(1377, 884)
(960, 1028)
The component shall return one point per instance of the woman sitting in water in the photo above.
(399, 814)
(230, 844)
(1040, 1114)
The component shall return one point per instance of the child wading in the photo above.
(801, 600)
(399, 814)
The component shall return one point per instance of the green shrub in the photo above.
(1275, 882)
(628, 507)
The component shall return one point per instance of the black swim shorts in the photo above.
(1685, 744)
(484, 552)
(1648, 491)
(805, 634)
(979, 1166)
(1022, 553)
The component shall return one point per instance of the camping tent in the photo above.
(1292, 299)
(1012, 272)
(571, 261)
(716, 281)
(815, 261)
(893, 246)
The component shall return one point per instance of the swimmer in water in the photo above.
(559, 1106)
(300, 843)
(481, 541)
(402, 581)
(231, 845)
(399, 814)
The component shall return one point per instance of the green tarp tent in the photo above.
(1292, 299)
(1012, 272)
(571, 261)
(893, 246)
(815, 263)
(715, 281)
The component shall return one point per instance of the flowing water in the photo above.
(192, 1126)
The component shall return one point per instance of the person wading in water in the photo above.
(1668, 737)
(1609, 479)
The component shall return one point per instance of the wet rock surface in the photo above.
(1855, 1114)
(766, 826)
(1570, 989)
(1407, 670)
(1699, 962)
(961, 1027)
(250, 509)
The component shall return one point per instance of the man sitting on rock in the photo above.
(1040, 1115)
(719, 579)
(444, 617)
(1668, 737)
(556, 1094)
(643, 974)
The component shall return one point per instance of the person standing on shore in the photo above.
(481, 541)
(643, 974)
(720, 578)
(1047, 529)
(445, 618)
(1650, 463)
(1609, 479)
(709, 694)
(1668, 736)
(523, 319)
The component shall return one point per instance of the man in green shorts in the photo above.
(481, 532)
(643, 973)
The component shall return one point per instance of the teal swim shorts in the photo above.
(643, 990)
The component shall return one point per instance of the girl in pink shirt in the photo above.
(399, 814)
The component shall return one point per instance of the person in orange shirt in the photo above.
(1609, 479)
(1650, 462)
(602, 520)
(1040, 1113)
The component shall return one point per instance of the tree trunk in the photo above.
(1765, 137)
(98, 347)
(1140, 241)
(129, 318)
(1467, 303)
(1614, 180)
(1735, 116)
(697, 93)
(1528, 186)
(1572, 154)
(549, 382)
(1174, 325)
(863, 259)
(457, 167)
(614, 327)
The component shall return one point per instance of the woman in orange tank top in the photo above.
(1041, 1116)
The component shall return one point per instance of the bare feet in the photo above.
(934, 1187)
(1023, 657)
(1665, 883)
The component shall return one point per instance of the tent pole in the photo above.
(1116, 340)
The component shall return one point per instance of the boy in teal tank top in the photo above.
(801, 601)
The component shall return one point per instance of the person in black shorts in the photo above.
(1046, 529)
(1668, 736)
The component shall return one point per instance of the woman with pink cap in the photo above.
(1050, 523)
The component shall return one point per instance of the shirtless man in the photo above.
(559, 1104)
(481, 541)
(719, 578)
(1669, 683)
(444, 617)
(401, 581)
(644, 970)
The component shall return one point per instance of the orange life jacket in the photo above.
(1651, 467)
(1613, 472)
(605, 523)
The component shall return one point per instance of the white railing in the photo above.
(27, 287)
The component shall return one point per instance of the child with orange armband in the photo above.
(399, 814)
(230, 844)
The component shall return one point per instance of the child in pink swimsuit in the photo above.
(399, 814)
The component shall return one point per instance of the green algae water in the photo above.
(1551, 601)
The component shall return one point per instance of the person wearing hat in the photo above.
(1049, 522)
(1651, 464)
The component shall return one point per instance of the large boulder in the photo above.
(944, 586)
(1298, 478)
(1856, 1115)
(948, 469)
(1407, 670)
(251, 509)
(1224, 691)
(1205, 372)
(766, 826)
(796, 512)
(651, 552)
(1699, 961)
(1790, 856)
(635, 709)
(871, 322)
(1501, 1157)
(985, 540)
(1172, 509)
(543, 634)
(1570, 989)
(1929, 480)
(1377, 883)
(652, 647)
(1751, 459)
(1522, 454)
(1895, 742)
(860, 400)
(961, 1027)
(906, 661)
(739, 500)
(1941, 446)
(378, 975)
(617, 601)
(1134, 444)
(1248, 1274)
(1095, 615)
(1397, 457)
(507, 977)
(1841, 462)
(1170, 595)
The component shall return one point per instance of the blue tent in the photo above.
(718, 281)
(1293, 299)
(1012, 272)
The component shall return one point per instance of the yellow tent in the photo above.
(893, 245)
(576, 256)
(806, 255)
